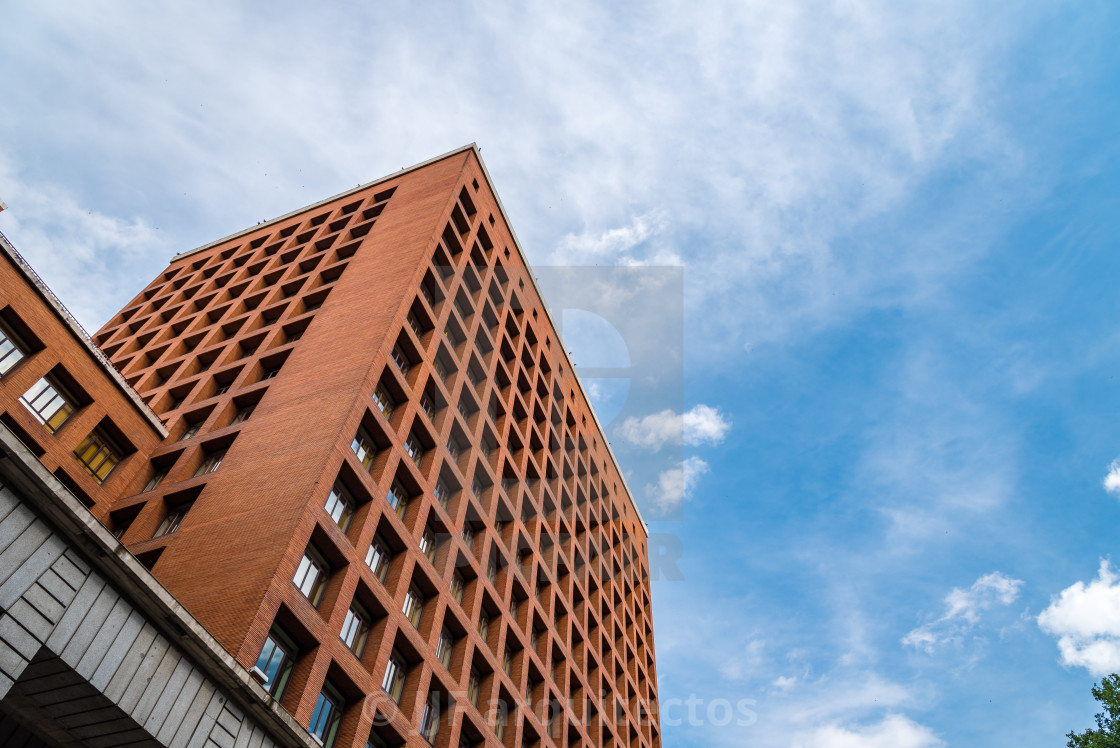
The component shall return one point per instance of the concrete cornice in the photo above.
(21, 470)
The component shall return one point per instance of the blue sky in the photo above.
(887, 452)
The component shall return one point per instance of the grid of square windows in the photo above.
(564, 488)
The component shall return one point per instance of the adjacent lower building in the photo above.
(351, 446)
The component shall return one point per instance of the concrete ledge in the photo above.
(76, 587)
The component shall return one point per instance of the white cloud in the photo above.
(1112, 480)
(784, 682)
(705, 424)
(744, 139)
(676, 484)
(84, 256)
(1086, 620)
(702, 424)
(963, 609)
(986, 592)
(894, 731)
(617, 246)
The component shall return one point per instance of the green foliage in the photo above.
(1107, 734)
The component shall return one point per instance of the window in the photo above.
(355, 629)
(463, 310)
(428, 405)
(47, 403)
(191, 432)
(453, 448)
(476, 487)
(384, 401)
(11, 353)
(468, 534)
(416, 326)
(98, 455)
(174, 518)
(534, 636)
(414, 449)
(513, 604)
(121, 525)
(442, 493)
(221, 389)
(340, 506)
(243, 414)
(154, 481)
(393, 682)
(457, 587)
(507, 662)
(327, 716)
(413, 607)
(363, 448)
(270, 373)
(401, 360)
(474, 686)
(464, 410)
(294, 336)
(429, 723)
(397, 498)
(210, 463)
(444, 647)
(428, 295)
(483, 625)
(275, 662)
(377, 558)
(311, 576)
(492, 570)
(500, 725)
(440, 368)
(428, 544)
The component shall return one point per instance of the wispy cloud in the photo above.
(676, 484)
(86, 257)
(894, 731)
(1112, 479)
(1086, 620)
(939, 455)
(772, 134)
(702, 424)
(622, 245)
(963, 610)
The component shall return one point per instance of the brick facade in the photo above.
(276, 349)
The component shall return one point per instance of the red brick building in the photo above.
(383, 488)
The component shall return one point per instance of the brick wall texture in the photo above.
(387, 346)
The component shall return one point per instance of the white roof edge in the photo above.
(79, 332)
(556, 328)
